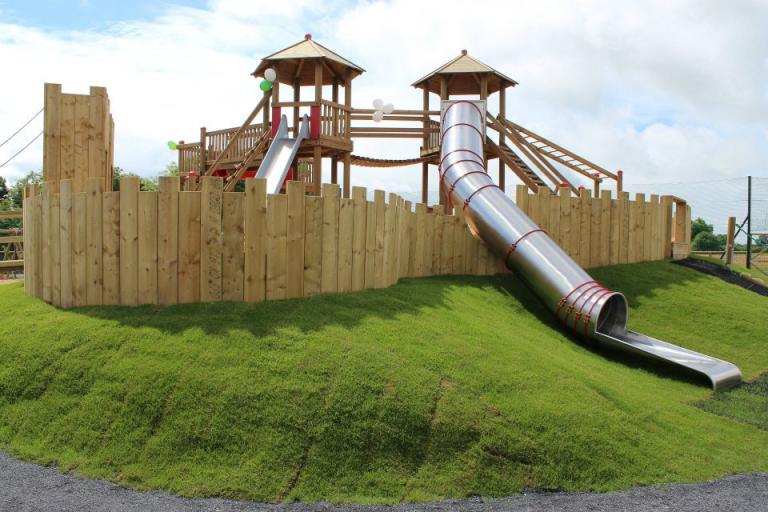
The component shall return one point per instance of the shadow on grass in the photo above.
(409, 297)
(746, 404)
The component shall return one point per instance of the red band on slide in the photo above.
(589, 315)
(467, 200)
(453, 185)
(513, 246)
(456, 151)
(565, 299)
(468, 103)
(579, 296)
(596, 291)
(442, 135)
(443, 173)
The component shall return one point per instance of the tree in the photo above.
(699, 225)
(172, 169)
(707, 241)
(3, 188)
(145, 184)
(16, 192)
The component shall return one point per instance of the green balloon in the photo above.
(265, 85)
(171, 145)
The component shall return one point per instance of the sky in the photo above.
(671, 92)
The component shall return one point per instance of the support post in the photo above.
(347, 175)
(502, 138)
(317, 169)
(203, 152)
(749, 221)
(424, 182)
(444, 95)
(596, 186)
(729, 241)
(334, 170)
(296, 100)
(619, 182)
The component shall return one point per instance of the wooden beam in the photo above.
(424, 182)
(502, 113)
(263, 104)
(203, 152)
(317, 169)
(484, 87)
(347, 174)
(334, 170)
(296, 99)
(318, 82)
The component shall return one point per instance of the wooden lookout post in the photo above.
(462, 76)
(78, 138)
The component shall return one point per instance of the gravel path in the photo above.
(25, 487)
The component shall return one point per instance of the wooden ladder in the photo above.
(259, 148)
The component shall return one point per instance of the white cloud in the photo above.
(666, 90)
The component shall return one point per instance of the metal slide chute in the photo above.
(281, 154)
(582, 304)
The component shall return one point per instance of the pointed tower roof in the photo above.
(463, 74)
(290, 64)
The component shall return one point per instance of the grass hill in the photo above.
(437, 387)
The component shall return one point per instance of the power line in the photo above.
(21, 150)
(22, 127)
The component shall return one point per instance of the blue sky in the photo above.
(83, 14)
(670, 91)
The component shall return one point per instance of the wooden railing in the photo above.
(11, 246)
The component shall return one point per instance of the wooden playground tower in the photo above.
(235, 153)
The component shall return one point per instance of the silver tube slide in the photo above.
(582, 304)
(280, 155)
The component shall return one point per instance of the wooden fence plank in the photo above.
(147, 291)
(605, 228)
(168, 240)
(390, 244)
(379, 273)
(370, 245)
(346, 235)
(65, 241)
(233, 253)
(585, 212)
(82, 131)
(212, 238)
(626, 207)
(564, 194)
(575, 242)
(446, 251)
(666, 221)
(594, 236)
(437, 240)
(615, 229)
(55, 252)
(110, 255)
(79, 249)
(189, 246)
(67, 138)
(313, 245)
(649, 238)
(52, 136)
(94, 270)
(358, 238)
(430, 221)
(255, 240)
(458, 244)
(129, 247)
(419, 242)
(329, 282)
(277, 226)
(294, 279)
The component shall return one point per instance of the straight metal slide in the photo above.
(280, 155)
(582, 304)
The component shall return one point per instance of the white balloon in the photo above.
(377, 103)
(378, 116)
(388, 108)
(270, 74)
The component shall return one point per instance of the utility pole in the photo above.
(749, 221)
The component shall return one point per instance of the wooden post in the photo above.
(335, 116)
(203, 152)
(619, 182)
(502, 138)
(424, 182)
(276, 87)
(296, 100)
(347, 172)
(317, 167)
(484, 87)
(265, 112)
(444, 95)
(348, 104)
(596, 186)
(318, 81)
(729, 241)
(334, 170)
(425, 146)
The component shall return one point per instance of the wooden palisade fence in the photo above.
(133, 247)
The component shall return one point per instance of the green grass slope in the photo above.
(434, 388)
